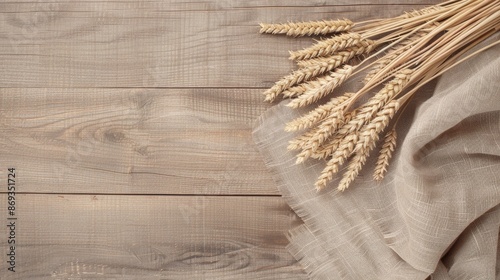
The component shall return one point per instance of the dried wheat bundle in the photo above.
(397, 56)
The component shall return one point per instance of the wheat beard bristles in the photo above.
(318, 114)
(332, 81)
(344, 150)
(385, 155)
(363, 47)
(307, 28)
(327, 47)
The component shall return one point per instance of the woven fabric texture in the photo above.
(437, 211)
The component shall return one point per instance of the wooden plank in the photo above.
(182, 4)
(158, 43)
(133, 141)
(149, 237)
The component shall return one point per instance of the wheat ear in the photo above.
(328, 148)
(353, 168)
(321, 134)
(363, 47)
(360, 141)
(316, 69)
(298, 142)
(368, 138)
(327, 128)
(318, 114)
(313, 84)
(299, 89)
(307, 28)
(332, 81)
(385, 155)
(370, 132)
(368, 110)
(345, 149)
(327, 47)
(306, 74)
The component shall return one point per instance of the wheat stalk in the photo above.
(423, 11)
(307, 28)
(392, 54)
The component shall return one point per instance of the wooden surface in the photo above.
(129, 125)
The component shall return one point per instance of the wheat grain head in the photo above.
(327, 47)
(332, 81)
(307, 28)
(363, 47)
(318, 114)
(385, 155)
(345, 149)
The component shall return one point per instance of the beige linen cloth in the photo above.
(436, 215)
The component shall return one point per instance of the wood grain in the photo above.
(150, 237)
(129, 125)
(158, 43)
(134, 141)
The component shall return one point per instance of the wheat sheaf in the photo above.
(397, 56)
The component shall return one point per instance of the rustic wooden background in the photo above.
(129, 125)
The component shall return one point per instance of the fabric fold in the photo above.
(439, 197)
